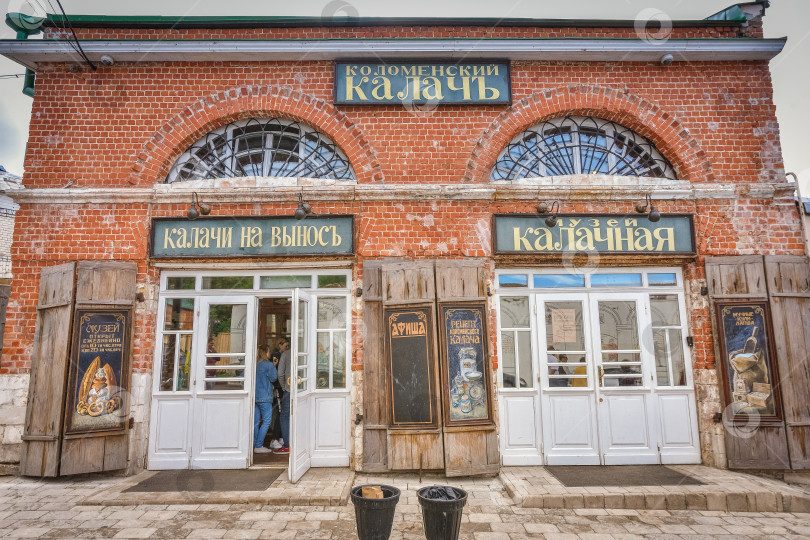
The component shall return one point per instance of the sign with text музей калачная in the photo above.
(528, 234)
(377, 83)
(252, 236)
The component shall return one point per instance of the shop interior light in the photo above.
(304, 209)
(549, 211)
(653, 215)
(197, 207)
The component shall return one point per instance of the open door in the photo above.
(301, 418)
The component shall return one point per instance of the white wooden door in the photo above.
(222, 380)
(623, 358)
(518, 395)
(302, 370)
(567, 380)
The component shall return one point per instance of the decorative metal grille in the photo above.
(580, 145)
(262, 147)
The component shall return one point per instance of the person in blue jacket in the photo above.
(266, 375)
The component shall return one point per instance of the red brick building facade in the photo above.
(103, 141)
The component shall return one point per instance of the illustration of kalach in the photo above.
(751, 380)
(99, 391)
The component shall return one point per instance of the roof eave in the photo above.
(30, 53)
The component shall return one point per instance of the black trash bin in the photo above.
(375, 516)
(441, 511)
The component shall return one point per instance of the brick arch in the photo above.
(671, 138)
(157, 156)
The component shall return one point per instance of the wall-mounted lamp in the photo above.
(549, 211)
(653, 215)
(304, 209)
(197, 207)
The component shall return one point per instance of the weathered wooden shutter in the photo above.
(375, 402)
(101, 284)
(468, 450)
(410, 283)
(789, 288)
(743, 277)
(5, 292)
(49, 361)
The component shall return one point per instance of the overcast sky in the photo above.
(791, 18)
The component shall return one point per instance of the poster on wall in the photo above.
(465, 372)
(749, 373)
(410, 364)
(99, 371)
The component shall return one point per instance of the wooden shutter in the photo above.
(468, 450)
(743, 278)
(789, 288)
(101, 284)
(49, 361)
(375, 404)
(5, 291)
(403, 284)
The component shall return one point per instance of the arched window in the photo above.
(262, 147)
(580, 145)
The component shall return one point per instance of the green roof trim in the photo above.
(180, 22)
(733, 13)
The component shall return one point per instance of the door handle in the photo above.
(601, 374)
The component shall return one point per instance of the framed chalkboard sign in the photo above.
(409, 347)
(465, 364)
(99, 371)
(750, 379)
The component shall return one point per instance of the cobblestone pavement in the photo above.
(50, 509)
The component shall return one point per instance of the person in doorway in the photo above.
(276, 441)
(557, 370)
(265, 375)
(285, 372)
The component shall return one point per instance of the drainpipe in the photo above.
(25, 25)
(801, 212)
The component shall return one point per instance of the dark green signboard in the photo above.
(419, 83)
(252, 236)
(627, 234)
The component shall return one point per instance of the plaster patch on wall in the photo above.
(427, 220)
(484, 233)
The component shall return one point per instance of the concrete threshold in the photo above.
(722, 490)
(318, 487)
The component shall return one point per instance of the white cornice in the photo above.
(402, 192)
(29, 53)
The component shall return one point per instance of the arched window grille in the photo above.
(580, 145)
(262, 147)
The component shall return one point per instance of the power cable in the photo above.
(12, 76)
(81, 51)
(64, 30)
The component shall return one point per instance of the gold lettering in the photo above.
(167, 240)
(585, 242)
(436, 86)
(275, 236)
(608, 237)
(483, 88)
(630, 222)
(621, 239)
(644, 240)
(492, 69)
(382, 83)
(351, 88)
(417, 93)
(451, 71)
(665, 235)
(336, 238)
(521, 243)
(544, 241)
(322, 235)
(226, 235)
(465, 86)
(478, 70)
(351, 70)
(409, 71)
(365, 70)
(422, 71)
(464, 71)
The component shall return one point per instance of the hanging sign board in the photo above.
(622, 234)
(410, 360)
(99, 371)
(378, 83)
(252, 236)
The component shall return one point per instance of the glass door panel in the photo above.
(225, 350)
(619, 343)
(566, 357)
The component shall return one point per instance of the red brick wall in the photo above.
(125, 125)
